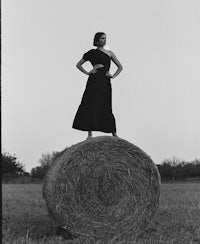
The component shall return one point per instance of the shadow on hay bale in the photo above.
(106, 188)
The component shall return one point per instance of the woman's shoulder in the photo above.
(91, 50)
(110, 52)
(88, 55)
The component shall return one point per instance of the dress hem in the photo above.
(94, 130)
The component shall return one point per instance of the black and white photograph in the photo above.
(100, 121)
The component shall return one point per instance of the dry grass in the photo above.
(25, 218)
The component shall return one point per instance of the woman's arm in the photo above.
(116, 61)
(80, 67)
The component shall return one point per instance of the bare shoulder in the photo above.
(111, 53)
(114, 58)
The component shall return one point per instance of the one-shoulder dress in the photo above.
(95, 110)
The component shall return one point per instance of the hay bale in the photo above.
(106, 188)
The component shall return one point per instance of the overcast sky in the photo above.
(155, 100)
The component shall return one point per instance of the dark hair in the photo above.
(96, 38)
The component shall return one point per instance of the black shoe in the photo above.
(89, 137)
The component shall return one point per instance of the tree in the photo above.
(45, 161)
(195, 168)
(10, 165)
(165, 170)
(172, 163)
(175, 169)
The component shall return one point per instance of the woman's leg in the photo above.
(89, 134)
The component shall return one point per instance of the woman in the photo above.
(95, 111)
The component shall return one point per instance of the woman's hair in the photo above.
(96, 38)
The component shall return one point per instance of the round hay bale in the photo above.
(106, 188)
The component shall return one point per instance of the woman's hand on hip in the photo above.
(93, 71)
(108, 74)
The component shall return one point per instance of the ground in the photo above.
(25, 217)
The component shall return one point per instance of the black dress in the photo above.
(95, 111)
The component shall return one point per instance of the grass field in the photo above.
(25, 218)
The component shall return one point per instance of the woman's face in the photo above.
(102, 40)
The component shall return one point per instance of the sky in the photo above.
(155, 99)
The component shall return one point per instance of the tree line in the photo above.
(11, 167)
(172, 169)
(177, 170)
